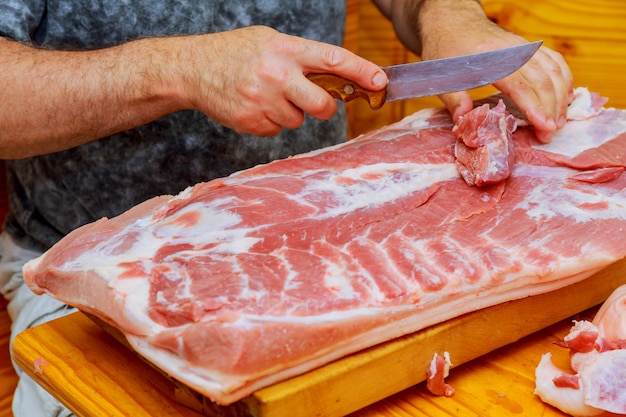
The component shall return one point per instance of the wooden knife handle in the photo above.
(346, 90)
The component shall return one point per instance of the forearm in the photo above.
(444, 23)
(251, 80)
(55, 100)
(414, 20)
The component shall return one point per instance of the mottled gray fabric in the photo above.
(53, 194)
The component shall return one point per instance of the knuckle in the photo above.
(269, 72)
(333, 57)
(258, 128)
(554, 68)
(245, 120)
(295, 120)
(267, 129)
(322, 107)
(312, 100)
(251, 92)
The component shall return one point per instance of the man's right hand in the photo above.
(254, 79)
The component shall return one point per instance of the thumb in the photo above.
(457, 103)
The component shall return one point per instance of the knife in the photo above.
(434, 77)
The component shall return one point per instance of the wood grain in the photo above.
(590, 34)
(346, 90)
(498, 384)
(93, 374)
(8, 377)
(87, 371)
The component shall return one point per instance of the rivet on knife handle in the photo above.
(346, 90)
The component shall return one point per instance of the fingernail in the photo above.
(550, 124)
(543, 137)
(379, 79)
(562, 121)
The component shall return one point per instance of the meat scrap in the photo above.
(247, 280)
(597, 382)
(437, 372)
(39, 364)
(485, 152)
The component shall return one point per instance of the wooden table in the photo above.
(95, 375)
(8, 377)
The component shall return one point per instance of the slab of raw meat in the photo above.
(244, 281)
(597, 382)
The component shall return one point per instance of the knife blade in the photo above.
(433, 77)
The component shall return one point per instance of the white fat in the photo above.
(569, 400)
(579, 327)
(578, 136)
(217, 224)
(175, 365)
(446, 368)
(160, 298)
(377, 184)
(493, 167)
(340, 282)
(581, 106)
(423, 119)
(550, 199)
(136, 293)
(331, 317)
(432, 367)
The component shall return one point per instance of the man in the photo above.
(108, 103)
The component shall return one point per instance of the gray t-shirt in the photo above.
(53, 194)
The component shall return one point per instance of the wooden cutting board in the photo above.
(94, 375)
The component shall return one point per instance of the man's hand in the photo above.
(433, 29)
(254, 79)
(541, 89)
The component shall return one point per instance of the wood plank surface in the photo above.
(591, 35)
(8, 377)
(94, 375)
(498, 384)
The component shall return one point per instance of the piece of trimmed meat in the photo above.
(485, 151)
(436, 375)
(597, 382)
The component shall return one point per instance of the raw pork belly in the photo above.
(599, 359)
(244, 281)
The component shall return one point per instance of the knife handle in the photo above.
(346, 90)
